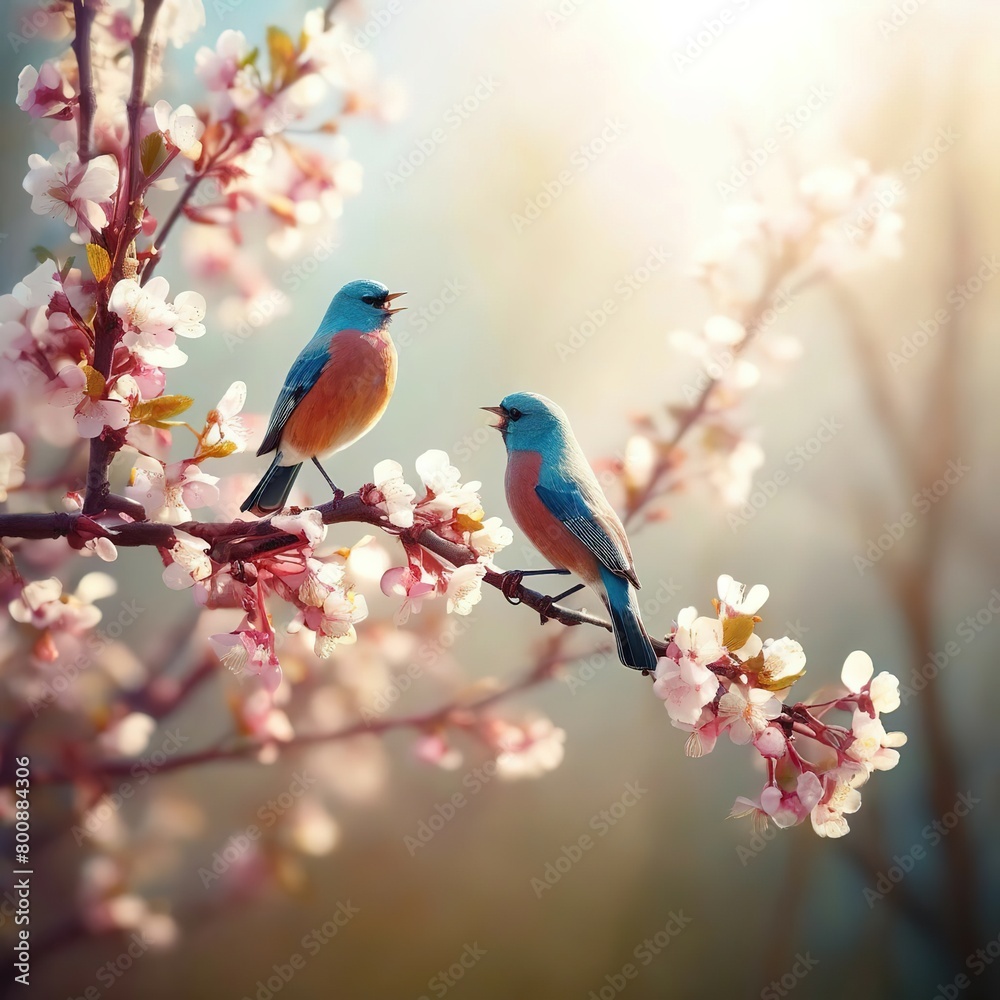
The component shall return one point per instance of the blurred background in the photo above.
(653, 112)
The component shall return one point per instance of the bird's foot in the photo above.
(545, 609)
(509, 583)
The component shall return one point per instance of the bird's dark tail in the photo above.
(272, 491)
(634, 648)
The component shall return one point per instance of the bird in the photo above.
(557, 502)
(334, 393)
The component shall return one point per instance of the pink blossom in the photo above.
(872, 745)
(528, 750)
(465, 588)
(435, 749)
(686, 687)
(44, 93)
(65, 188)
(169, 492)
(249, 651)
(789, 808)
(224, 422)
(396, 498)
(11, 463)
(93, 413)
(745, 712)
(181, 127)
(403, 581)
(840, 798)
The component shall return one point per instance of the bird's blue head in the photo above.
(361, 305)
(530, 422)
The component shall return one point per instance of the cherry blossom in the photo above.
(396, 498)
(181, 127)
(403, 581)
(465, 588)
(169, 492)
(224, 421)
(11, 463)
(44, 93)
(745, 712)
(64, 188)
(85, 392)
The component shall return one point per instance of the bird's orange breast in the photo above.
(544, 530)
(348, 398)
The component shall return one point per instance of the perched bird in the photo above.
(558, 503)
(335, 392)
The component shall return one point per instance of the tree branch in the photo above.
(84, 17)
(241, 541)
(453, 711)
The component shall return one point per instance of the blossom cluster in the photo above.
(837, 220)
(719, 678)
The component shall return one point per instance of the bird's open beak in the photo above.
(500, 412)
(389, 298)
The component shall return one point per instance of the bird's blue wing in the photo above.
(300, 379)
(594, 522)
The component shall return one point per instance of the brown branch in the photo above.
(454, 711)
(84, 14)
(241, 541)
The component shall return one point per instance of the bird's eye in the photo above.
(369, 299)
(514, 413)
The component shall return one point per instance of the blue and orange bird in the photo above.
(557, 502)
(335, 392)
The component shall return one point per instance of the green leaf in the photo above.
(155, 412)
(42, 254)
(736, 631)
(152, 152)
(281, 50)
(100, 262)
(64, 270)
